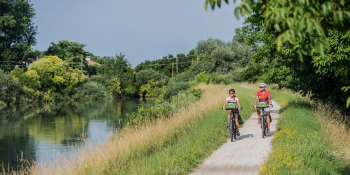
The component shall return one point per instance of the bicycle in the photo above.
(232, 127)
(263, 125)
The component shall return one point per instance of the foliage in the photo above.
(69, 51)
(167, 63)
(29, 79)
(174, 88)
(56, 75)
(223, 56)
(145, 75)
(11, 90)
(164, 109)
(297, 22)
(90, 91)
(253, 72)
(113, 87)
(202, 78)
(120, 68)
(17, 30)
(152, 88)
(2, 105)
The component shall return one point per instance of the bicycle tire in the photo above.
(234, 130)
(263, 126)
(231, 129)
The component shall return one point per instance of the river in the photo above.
(36, 131)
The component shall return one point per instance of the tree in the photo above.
(303, 22)
(70, 51)
(17, 30)
(51, 74)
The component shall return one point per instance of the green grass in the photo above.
(299, 144)
(194, 146)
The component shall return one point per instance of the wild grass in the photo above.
(188, 132)
(311, 138)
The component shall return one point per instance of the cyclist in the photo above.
(233, 98)
(264, 96)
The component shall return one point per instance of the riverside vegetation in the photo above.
(312, 137)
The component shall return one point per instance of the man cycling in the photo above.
(264, 96)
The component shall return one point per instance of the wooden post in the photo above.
(172, 69)
(192, 60)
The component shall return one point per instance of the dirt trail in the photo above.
(244, 155)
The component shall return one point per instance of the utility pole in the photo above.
(192, 60)
(177, 65)
(81, 59)
(172, 69)
(197, 58)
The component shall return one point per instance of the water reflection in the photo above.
(37, 129)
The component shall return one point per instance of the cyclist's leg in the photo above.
(268, 118)
(236, 119)
(229, 116)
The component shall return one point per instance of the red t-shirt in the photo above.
(263, 97)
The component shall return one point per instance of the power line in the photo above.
(166, 64)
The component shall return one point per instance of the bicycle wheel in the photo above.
(263, 125)
(231, 129)
(265, 131)
(234, 130)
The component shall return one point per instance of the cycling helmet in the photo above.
(231, 90)
(263, 85)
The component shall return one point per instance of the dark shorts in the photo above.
(235, 111)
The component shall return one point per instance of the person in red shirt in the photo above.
(264, 96)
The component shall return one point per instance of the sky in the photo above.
(141, 30)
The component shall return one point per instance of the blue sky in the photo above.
(142, 30)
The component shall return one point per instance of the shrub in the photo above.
(2, 105)
(91, 91)
(11, 90)
(152, 88)
(174, 88)
(163, 109)
(202, 78)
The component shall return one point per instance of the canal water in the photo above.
(35, 132)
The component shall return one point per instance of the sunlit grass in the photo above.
(308, 140)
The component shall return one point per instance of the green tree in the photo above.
(297, 22)
(17, 30)
(11, 90)
(69, 51)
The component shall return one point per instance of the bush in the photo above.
(2, 105)
(202, 78)
(164, 109)
(184, 77)
(90, 91)
(203, 66)
(174, 88)
(11, 90)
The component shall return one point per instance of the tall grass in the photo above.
(134, 148)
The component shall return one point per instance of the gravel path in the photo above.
(244, 155)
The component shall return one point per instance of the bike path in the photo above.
(244, 155)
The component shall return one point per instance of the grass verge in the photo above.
(304, 142)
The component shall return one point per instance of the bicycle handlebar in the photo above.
(266, 106)
(231, 109)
